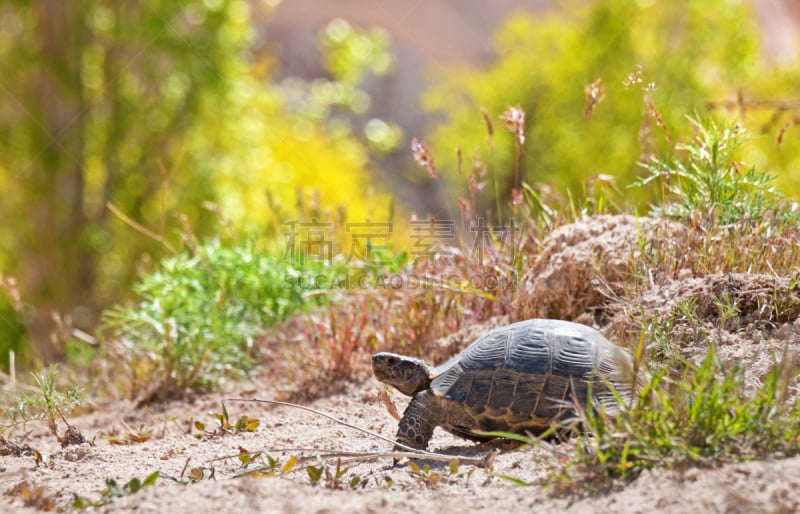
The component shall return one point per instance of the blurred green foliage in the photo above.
(102, 101)
(167, 111)
(12, 333)
(594, 80)
(350, 53)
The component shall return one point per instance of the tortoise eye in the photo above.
(391, 361)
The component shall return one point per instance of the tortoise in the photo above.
(519, 378)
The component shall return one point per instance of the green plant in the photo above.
(199, 315)
(243, 424)
(704, 178)
(728, 311)
(47, 403)
(333, 478)
(140, 434)
(732, 218)
(704, 416)
(429, 478)
(274, 466)
(114, 490)
(423, 475)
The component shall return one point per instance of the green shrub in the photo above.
(706, 415)
(736, 220)
(198, 315)
(706, 180)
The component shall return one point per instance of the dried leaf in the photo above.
(387, 402)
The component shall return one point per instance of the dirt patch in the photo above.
(174, 451)
(752, 319)
(582, 266)
(734, 300)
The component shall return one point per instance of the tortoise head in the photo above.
(406, 374)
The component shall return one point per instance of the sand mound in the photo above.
(582, 265)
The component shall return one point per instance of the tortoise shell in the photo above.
(524, 376)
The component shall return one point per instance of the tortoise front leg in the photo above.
(419, 419)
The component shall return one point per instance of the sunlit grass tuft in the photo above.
(703, 416)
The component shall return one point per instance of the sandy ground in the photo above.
(174, 451)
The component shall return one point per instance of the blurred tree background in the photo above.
(164, 113)
(127, 128)
(678, 57)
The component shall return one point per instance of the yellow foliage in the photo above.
(275, 166)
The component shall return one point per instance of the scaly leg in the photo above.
(420, 418)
